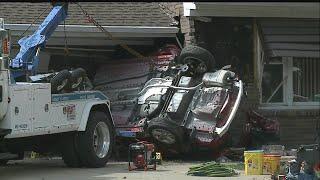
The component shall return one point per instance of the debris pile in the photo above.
(274, 160)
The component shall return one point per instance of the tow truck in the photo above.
(54, 112)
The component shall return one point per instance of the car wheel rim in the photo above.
(163, 136)
(101, 139)
(62, 85)
(75, 85)
(197, 62)
(202, 68)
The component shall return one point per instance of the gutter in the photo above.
(145, 30)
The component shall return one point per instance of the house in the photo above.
(276, 49)
(274, 45)
(140, 25)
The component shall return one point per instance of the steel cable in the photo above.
(101, 28)
(34, 22)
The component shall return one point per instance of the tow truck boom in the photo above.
(27, 60)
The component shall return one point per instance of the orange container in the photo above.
(271, 164)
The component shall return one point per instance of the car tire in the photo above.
(174, 132)
(99, 131)
(77, 78)
(198, 55)
(60, 81)
(70, 155)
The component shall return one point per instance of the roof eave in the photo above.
(256, 9)
(118, 31)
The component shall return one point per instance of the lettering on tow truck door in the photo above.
(70, 110)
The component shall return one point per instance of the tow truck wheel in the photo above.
(196, 56)
(96, 143)
(3, 162)
(60, 81)
(77, 78)
(69, 151)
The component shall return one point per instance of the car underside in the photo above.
(175, 99)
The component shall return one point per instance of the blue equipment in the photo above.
(27, 60)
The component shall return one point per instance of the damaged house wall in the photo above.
(291, 44)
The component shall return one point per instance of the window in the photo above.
(306, 79)
(272, 83)
(291, 82)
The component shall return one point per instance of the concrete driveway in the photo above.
(42, 169)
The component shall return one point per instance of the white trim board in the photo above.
(256, 9)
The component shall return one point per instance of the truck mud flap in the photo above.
(4, 132)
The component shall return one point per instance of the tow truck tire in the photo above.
(77, 78)
(198, 55)
(60, 81)
(97, 141)
(69, 151)
(3, 162)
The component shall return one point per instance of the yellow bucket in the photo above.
(253, 162)
(271, 164)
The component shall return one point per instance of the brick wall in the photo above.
(186, 23)
(188, 29)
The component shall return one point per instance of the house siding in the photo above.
(291, 37)
(296, 126)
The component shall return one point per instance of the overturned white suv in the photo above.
(191, 104)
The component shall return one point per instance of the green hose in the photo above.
(211, 169)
